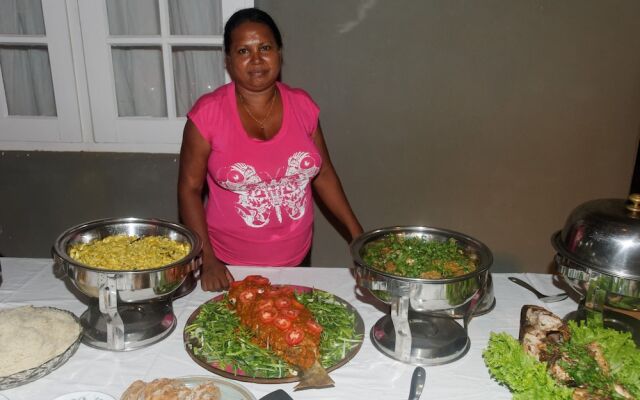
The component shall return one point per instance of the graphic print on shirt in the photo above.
(259, 194)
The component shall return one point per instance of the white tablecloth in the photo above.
(370, 374)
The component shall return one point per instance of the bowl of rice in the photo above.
(35, 341)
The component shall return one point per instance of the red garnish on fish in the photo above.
(282, 324)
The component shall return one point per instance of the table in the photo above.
(369, 373)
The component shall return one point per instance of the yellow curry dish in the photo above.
(122, 252)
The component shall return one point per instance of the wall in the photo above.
(492, 118)
(44, 193)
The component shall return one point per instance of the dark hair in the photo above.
(249, 15)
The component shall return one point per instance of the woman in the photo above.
(259, 145)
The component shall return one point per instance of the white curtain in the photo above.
(195, 17)
(139, 72)
(197, 70)
(139, 80)
(26, 71)
(137, 17)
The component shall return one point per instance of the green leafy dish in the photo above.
(528, 378)
(216, 340)
(415, 257)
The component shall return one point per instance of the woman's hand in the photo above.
(215, 276)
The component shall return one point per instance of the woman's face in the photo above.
(254, 58)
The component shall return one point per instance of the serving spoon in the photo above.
(542, 297)
(417, 383)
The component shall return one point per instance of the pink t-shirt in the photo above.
(260, 207)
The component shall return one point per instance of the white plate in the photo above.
(85, 396)
(229, 390)
(3, 397)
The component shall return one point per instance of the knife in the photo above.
(277, 395)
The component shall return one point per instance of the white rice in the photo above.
(30, 336)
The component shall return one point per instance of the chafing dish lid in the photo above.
(603, 235)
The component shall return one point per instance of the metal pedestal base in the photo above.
(435, 340)
(144, 324)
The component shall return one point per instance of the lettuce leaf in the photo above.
(524, 375)
(619, 350)
(528, 379)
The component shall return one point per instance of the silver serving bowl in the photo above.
(130, 286)
(603, 235)
(599, 245)
(426, 294)
(598, 255)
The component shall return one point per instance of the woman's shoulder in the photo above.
(298, 96)
(212, 99)
(210, 111)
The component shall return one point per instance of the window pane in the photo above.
(133, 17)
(139, 80)
(21, 17)
(197, 70)
(26, 75)
(195, 17)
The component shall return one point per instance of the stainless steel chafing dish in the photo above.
(128, 309)
(598, 255)
(421, 328)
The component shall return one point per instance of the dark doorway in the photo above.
(635, 181)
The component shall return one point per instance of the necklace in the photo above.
(267, 115)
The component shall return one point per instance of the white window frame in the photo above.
(79, 50)
(65, 127)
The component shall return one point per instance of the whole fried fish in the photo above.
(282, 324)
(542, 334)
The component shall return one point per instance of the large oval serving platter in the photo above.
(228, 390)
(238, 375)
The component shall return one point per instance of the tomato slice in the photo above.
(283, 302)
(294, 336)
(273, 292)
(267, 315)
(289, 313)
(296, 304)
(265, 303)
(282, 323)
(314, 327)
(247, 295)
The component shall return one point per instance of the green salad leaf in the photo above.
(528, 378)
(219, 338)
(339, 334)
(524, 375)
(415, 257)
(619, 350)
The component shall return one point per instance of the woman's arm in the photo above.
(194, 154)
(328, 187)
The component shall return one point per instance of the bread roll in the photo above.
(170, 389)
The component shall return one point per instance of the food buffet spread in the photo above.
(368, 373)
(415, 296)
